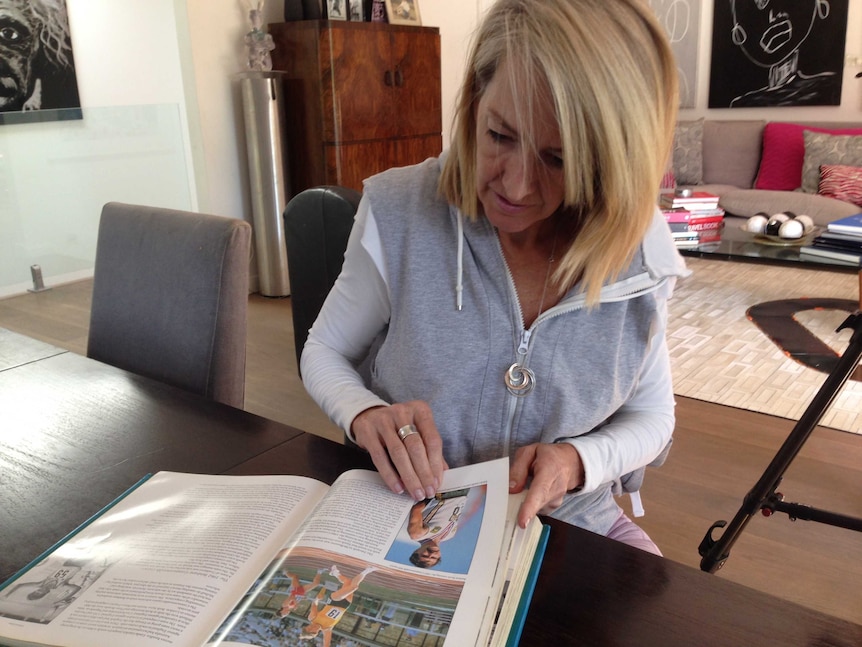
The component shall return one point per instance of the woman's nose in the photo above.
(518, 178)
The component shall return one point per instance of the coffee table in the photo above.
(739, 245)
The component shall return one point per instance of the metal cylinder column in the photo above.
(263, 111)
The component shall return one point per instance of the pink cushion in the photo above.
(784, 152)
(841, 182)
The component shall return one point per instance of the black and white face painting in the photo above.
(769, 31)
(37, 71)
(19, 46)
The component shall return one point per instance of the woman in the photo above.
(509, 298)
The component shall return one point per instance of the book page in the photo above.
(163, 566)
(381, 569)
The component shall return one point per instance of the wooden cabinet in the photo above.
(360, 98)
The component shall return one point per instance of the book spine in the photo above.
(844, 229)
(700, 213)
(706, 224)
(838, 255)
(703, 204)
(838, 244)
(676, 215)
(517, 627)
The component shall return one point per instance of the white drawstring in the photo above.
(637, 504)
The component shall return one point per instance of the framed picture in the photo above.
(337, 9)
(356, 11)
(39, 80)
(403, 12)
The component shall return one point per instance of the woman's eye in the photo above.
(496, 136)
(554, 161)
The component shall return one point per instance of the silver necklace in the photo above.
(520, 380)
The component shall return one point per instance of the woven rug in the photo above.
(719, 355)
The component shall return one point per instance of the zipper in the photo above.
(640, 284)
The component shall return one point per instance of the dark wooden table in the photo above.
(16, 350)
(75, 433)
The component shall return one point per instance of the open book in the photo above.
(189, 559)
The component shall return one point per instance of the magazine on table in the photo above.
(190, 559)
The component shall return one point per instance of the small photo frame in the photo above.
(337, 9)
(356, 11)
(403, 12)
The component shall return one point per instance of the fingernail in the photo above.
(430, 492)
(399, 488)
(418, 495)
(512, 485)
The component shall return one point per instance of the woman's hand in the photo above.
(414, 464)
(554, 469)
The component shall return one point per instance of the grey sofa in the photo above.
(724, 157)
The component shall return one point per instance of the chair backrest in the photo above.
(170, 298)
(317, 224)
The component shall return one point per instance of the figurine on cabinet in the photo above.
(258, 42)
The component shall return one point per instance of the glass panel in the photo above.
(55, 177)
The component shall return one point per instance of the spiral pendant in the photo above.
(519, 380)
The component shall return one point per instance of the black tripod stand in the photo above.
(763, 495)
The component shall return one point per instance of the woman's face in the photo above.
(520, 184)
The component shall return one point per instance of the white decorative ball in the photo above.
(780, 217)
(791, 229)
(756, 224)
(807, 222)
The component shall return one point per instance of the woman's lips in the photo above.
(508, 207)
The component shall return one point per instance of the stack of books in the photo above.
(841, 242)
(693, 219)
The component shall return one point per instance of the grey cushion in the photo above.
(822, 148)
(170, 298)
(731, 151)
(822, 210)
(688, 152)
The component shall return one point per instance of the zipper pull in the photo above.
(525, 342)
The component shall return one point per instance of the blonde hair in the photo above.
(613, 82)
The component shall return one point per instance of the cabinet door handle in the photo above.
(387, 78)
(399, 78)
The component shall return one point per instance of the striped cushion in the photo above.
(668, 181)
(841, 182)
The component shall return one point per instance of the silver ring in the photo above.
(407, 430)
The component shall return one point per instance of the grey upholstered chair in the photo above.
(170, 298)
(317, 224)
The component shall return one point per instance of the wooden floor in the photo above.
(719, 454)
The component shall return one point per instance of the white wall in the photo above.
(126, 54)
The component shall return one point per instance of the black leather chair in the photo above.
(317, 224)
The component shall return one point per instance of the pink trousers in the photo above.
(628, 532)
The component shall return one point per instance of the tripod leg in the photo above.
(715, 552)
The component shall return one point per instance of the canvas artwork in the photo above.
(681, 19)
(37, 69)
(777, 53)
